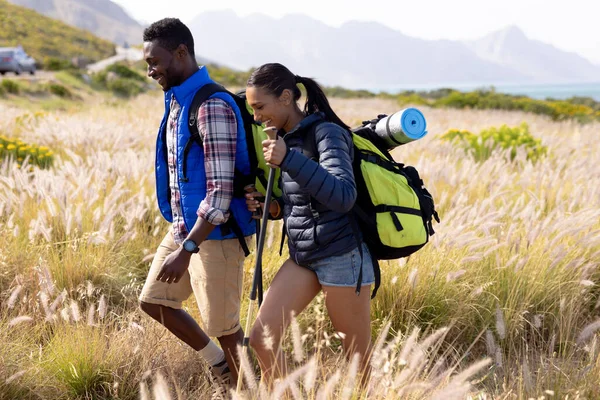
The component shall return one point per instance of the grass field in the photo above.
(504, 302)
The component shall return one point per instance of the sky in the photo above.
(570, 25)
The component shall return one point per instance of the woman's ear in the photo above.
(286, 97)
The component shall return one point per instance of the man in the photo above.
(200, 254)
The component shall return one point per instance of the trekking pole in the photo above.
(257, 278)
(260, 279)
(256, 215)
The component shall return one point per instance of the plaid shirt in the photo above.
(218, 128)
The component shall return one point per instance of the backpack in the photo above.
(254, 137)
(393, 209)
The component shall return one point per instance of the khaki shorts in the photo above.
(215, 276)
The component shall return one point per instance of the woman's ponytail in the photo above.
(317, 101)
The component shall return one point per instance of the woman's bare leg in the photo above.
(351, 315)
(292, 290)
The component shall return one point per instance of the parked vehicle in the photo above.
(14, 59)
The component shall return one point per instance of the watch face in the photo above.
(190, 246)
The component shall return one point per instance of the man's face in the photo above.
(164, 66)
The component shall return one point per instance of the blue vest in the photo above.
(193, 190)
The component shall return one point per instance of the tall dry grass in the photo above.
(505, 297)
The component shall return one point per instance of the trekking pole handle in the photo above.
(251, 188)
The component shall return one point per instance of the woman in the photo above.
(314, 151)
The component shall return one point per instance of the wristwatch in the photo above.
(190, 246)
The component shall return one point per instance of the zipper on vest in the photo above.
(163, 138)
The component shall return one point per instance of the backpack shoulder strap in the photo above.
(310, 141)
(249, 125)
(199, 98)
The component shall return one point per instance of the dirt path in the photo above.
(39, 76)
(130, 54)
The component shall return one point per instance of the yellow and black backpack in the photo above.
(393, 209)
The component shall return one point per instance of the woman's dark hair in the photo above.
(275, 78)
(170, 33)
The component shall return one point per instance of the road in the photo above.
(130, 54)
(123, 54)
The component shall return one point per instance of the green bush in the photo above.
(119, 79)
(341, 92)
(227, 76)
(56, 64)
(563, 110)
(10, 86)
(481, 146)
(125, 87)
(60, 90)
(411, 98)
(582, 109)
(99, 79)
(585, 101)
(436, 94)
(122, 71)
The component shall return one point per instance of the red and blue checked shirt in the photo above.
(218, 128)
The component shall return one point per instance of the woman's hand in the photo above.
(274, 152)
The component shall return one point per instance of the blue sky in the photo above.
(569, 25)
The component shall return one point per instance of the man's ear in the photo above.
(182, 51)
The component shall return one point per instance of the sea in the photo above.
(536, 91)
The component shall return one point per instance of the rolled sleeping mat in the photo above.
(402, 127)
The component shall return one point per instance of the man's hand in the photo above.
(255, 202)
(174, 266)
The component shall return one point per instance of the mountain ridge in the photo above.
(104, 18)
(357, 54)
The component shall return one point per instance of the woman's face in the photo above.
(270, 110)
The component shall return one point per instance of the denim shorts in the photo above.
(343, 270)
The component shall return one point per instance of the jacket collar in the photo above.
(307, 122)
(189, 86)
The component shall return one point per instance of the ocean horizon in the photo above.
(537, 91)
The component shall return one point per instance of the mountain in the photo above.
(539, 61)
(364, 54)
(371, 55)
(101, 17)
(43, 37)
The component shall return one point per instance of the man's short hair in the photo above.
(170, 33)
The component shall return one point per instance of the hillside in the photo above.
(103, 18)
(43, 37)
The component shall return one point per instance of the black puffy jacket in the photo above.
(318, 195)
